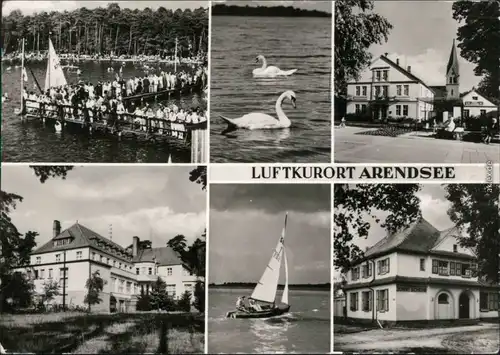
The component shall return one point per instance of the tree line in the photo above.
(271, 11)
(111, 29)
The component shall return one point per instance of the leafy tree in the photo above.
(353, 203)
(159, 298)
(50, 291)
(178, 244)
(357, 27)
(199, 296)
(18, 291)
(199, 175)
(479, 35)
(94, 285)
(143, 302)
(475, 209)
(184, 303)
(49, 171)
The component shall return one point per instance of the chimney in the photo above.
(135, 245)
(397, 61)
(56, 228)
(409, 69)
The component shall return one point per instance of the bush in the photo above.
(184, 303)
(199, 296)
(143, 303)
(357, 117)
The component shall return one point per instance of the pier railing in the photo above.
(193, 134)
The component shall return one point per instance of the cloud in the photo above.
(272, 198)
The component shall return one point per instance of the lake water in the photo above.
(30, 141)
(306, 329)
(288, 43)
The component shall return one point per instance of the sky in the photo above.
(30, 7)
(434, 207)
(325, 6)
(422, 37)
(141, 200)
(246, 221)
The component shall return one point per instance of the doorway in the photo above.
(464, 306)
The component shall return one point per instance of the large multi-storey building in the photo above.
(419, 274)
(386, 89)
(74, 254)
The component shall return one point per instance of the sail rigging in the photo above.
(55, 75)
(265, 290)
(284, 297)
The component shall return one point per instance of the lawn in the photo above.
(83, 333)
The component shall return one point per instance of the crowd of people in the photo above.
(105, 102)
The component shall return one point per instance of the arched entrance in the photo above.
(444, 305)
(464, 305)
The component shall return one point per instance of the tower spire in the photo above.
(453, 75)
(453, 61)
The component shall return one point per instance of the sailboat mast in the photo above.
(175, 58)
(22, 75)
(49, 66)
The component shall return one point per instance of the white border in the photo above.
(332, 304)
(332, 91)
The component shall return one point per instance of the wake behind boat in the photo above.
(266, 288)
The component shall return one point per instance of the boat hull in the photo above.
(268, 313)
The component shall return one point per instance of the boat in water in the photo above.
(265, 291)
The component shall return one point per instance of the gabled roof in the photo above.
(164, 256)
(405, 72)
(420, 236)
(82, 237)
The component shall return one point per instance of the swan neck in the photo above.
(264, 63)
(279, 110)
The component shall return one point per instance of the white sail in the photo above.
(284, 297)
(55, 75)
(265, 290)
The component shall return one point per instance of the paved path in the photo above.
(356, 148)
(395, 339)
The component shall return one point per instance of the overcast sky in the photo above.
(325, 6)
(246, 221)
(434, 207)
(422, 37)
(138, 200)
(30, 7)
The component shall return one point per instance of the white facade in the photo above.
(405, 286)
(475, 105)
(403, 94)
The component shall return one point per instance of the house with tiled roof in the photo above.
(386, 89)
(418, 274)
(75, 253)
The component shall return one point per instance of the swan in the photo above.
(257, 120)
(271, 71)
(58, 127)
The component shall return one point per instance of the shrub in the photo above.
(184, 303)
(199, 296)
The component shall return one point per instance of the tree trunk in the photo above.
(129, 41)
(116, 38)
(38, 43)
(110, 40)
(86, 39)
(96, 34)
(70, 41)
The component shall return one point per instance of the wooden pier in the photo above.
(193, 136)
(163, 94)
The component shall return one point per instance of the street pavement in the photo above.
(356, 148)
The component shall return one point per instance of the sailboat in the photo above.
(265, 291)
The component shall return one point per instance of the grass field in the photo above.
(83, 333)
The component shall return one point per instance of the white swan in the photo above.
(257, 120)
(58, 127)
(271, 71)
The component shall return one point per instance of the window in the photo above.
(377, 91)
(50, 273)
(120, 286)
(452, 268)
(466, 113)
(474, 97)
(398, 89)
(353, 301)
(465, 272)
(405, 110)
(364, 90)
(113, 284)
(358, 90)
(434, 266)
(366, 299)
(150, 271)
(79, 254)
(114, 263)
(386, 75)
(488, 301)
(452, 92)
(93, 255)
(443, 268)
(137, 271)
(38, 259)
(355, 274)
(406, 90)
(422, 264)
(120, 265)
(379, 74)
(129, 284)
(36, 274)
(383, 300)
(483, 112)
(169, 271)
(383, 266)
(398, 110)
(455, 249)
(367, 270)
(58, 257)
(363, 108)
(171, 290)
(385, 91)
(42, 273)
(108, 260)
(101, 259)
(443, 298)
(63, 277)
(358, 108)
